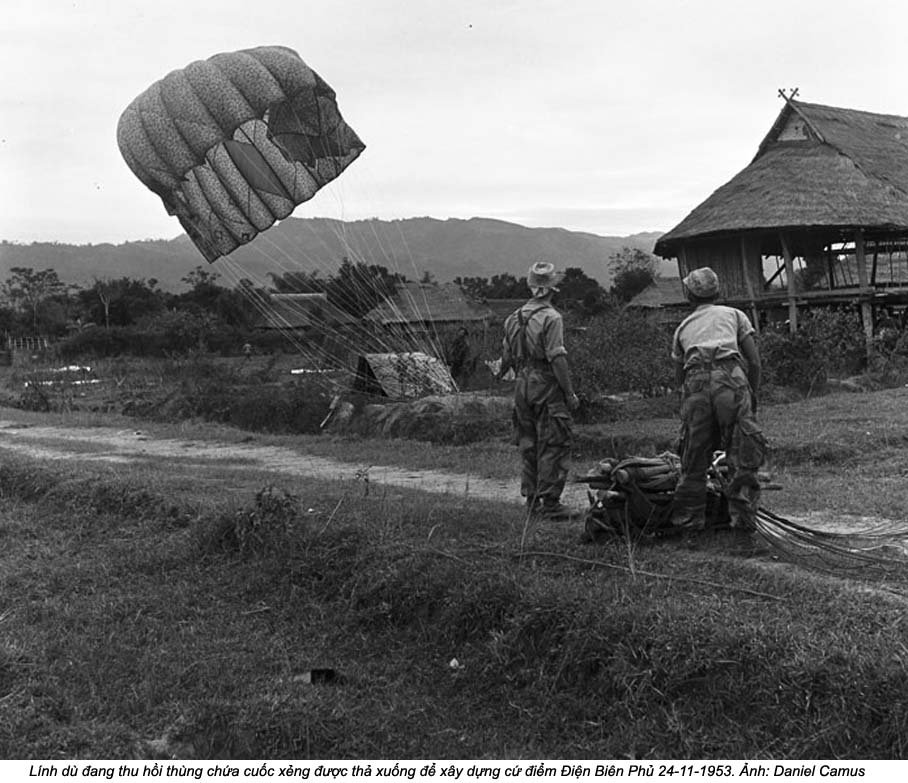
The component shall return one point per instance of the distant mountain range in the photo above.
(478, 247)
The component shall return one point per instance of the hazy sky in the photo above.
(592, 115)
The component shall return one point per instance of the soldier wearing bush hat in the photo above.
(544, 396)
(718, 371)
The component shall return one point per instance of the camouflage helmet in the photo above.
(702, 283)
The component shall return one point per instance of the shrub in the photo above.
(162, 334)
(621, 351)
(827, 342)
(281, 409)
(268, 525)
(94, 342)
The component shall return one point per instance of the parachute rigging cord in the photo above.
(232, 145)
(634, 499)
(877, 552)
(881, 551)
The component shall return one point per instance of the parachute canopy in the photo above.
(234, 143)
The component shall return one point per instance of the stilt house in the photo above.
(820, 216)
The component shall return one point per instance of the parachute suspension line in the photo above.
(406, 312)
(362, 287)
(437, 339)
(353, 338)
(318, 361)
(424, 338)
(357, 285)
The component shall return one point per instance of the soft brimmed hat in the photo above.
(702, 283)
(543, 275)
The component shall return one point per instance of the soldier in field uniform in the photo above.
(718, 369)
(544, 396)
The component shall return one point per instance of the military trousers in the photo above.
(717, 415)
(543, 434)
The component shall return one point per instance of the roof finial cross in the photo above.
(792, 93)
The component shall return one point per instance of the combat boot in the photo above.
(685, 519)
(555, 509)
(743, 512)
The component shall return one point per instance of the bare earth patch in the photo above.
(125, 447)
(133, 447)
(108, 445)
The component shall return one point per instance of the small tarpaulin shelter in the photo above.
(402, 376)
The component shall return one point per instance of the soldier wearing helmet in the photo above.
(718, 369)
(544, 396)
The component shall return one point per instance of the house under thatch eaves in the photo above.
(419, 304)
(296, 312)
(819, 216)
(430, 314)
(327, 332)
(664, 298)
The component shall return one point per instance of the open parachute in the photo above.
(234, 143)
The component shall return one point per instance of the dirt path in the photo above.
(108, 445)
(135, 447)
(125, 447)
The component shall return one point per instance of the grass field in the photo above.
(178, 610)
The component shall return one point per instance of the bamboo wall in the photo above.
(736, 262)
(752, 267)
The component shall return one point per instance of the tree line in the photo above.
(632, 271)
(36, 302)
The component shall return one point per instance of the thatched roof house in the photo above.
(303, 311)
(500, 309)
(820, 215)
(662, 292)
(330, 335)
(428, 303)
(664, 298)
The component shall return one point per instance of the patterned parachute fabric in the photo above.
(234, 143)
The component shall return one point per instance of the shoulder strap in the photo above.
(522, 350)
(523, 319)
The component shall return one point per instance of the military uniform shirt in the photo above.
(712, 329)
(544, 331)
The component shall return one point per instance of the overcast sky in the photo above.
(592, 115)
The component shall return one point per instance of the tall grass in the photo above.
(126, 634)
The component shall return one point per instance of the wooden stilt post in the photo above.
(790, 279)
(749, 286)
(866, 307)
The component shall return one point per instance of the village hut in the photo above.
(663, 299)
(310, 319)
(819, 217)
(429, 314)
(301, 312)
(500, 309)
